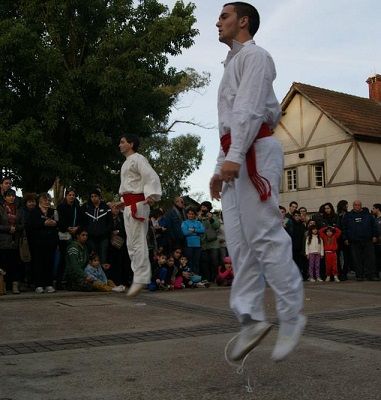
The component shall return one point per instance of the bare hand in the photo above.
(118, 204)
(150, 201)
(106, 266)
(215, 186)
(229, 171)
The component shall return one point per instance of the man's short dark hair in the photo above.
(247, 10)
(5, 178)
(131, 138)
(378, 206)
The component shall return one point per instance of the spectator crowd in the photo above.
(82, 247)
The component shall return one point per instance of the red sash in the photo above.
(261, 183)
(131, 199)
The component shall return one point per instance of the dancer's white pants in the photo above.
(137, 242)
(259, 246)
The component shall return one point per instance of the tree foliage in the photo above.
(75, 74)
(174, 160)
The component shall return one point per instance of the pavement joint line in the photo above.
(229, 325)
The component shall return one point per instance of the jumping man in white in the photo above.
(140, 187)
(247, 179)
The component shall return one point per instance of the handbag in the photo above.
(24, 248)
(210, 234)
(117, 242)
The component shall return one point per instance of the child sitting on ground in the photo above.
(225, 273)
(188, 278)
(95, 274)
(159, 274)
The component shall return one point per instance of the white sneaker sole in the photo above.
(263, 329)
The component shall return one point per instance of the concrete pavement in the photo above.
(164, 345)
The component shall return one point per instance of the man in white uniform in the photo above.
(139, 187)
(247, 179)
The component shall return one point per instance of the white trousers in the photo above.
(137, 242)
(259, 246)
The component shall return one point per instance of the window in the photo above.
(318, 180)
(291, 179)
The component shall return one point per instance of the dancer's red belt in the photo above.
(261, 183)
(131, 199)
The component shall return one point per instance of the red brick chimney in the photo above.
(374, 83)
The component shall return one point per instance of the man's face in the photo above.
(293, 207)
(297, 217)
(228, 25)
(357, 206)
(95, 199)
(124, 146)
(82, 237)
(7, 184)
(179, 202)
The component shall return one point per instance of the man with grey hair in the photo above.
(360, 233)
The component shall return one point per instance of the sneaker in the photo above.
(319, 279)
(286, 344)
(328, 279)
(182, 286)
(118, 289)
(135, 289)
(50, 289)
(311, 280)
(336, 279)
(39, 290)
(249, 337)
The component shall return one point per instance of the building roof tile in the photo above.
(358, 116)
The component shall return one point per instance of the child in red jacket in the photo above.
(225, 273)
(330, 236)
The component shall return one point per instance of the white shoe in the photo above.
(39, 290)
(118, 289)
(249, 337)
(285, 345)
(50, 289)
(311, 280)
(135, 289)
(319, 279)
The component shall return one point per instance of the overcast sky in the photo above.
(333, 44)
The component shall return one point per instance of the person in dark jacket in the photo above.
(360, 232)
(96, 217)
(42, 229)
(69, 214)
(11, 227)
(298, 230)
(174, 218)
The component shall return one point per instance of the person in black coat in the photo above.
(96, 217)
(69, 215)
(298, 230)
(42, 229)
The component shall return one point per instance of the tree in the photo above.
(173, 159)
(75, 74)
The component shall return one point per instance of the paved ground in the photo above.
(170, 345)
